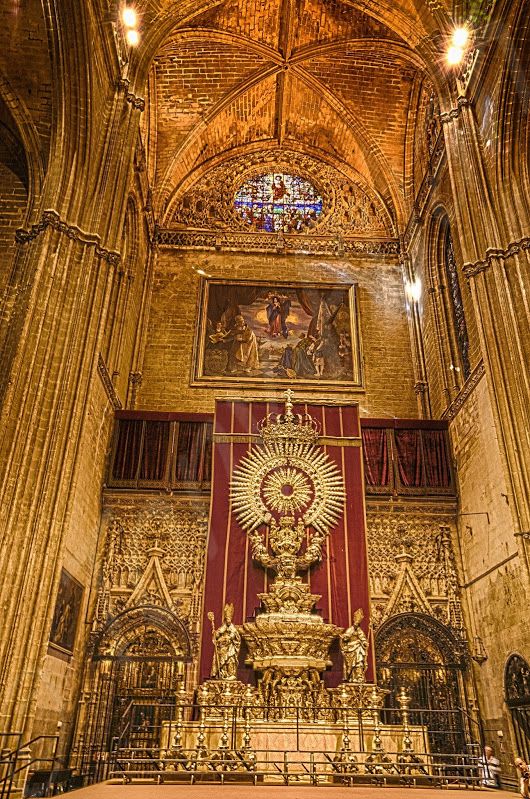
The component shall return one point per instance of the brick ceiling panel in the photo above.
(376, 89)
(258, 20)
(248, 118)
(191, 78)
(314, 122)
(329, 20)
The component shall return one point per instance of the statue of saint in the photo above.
(354, 648)
(226, 646)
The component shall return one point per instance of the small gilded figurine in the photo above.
(226, 646)
(354, 648)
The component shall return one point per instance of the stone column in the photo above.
(498, 274)
(50, 371)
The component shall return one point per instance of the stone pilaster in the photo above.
(50, 372)
(498, 277)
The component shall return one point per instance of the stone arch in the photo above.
(28, 139)
(417, 652)
(449, 308)
(517, 698)
(118, 635)
(513, 123)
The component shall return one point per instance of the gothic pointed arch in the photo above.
(517, 697)
(418, 653)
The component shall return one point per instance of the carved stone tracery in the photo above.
(412, 569)
(154, 557)
(348, 208)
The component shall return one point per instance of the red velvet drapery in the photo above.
(231, 575)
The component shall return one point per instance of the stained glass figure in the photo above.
(278, 202)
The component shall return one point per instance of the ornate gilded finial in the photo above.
(289, 394)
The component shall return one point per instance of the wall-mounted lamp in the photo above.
(413, 290)
(457, 46)
(129, 18)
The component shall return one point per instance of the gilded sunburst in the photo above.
(287, 490)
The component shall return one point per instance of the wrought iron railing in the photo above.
(18, 761)
(357, 745)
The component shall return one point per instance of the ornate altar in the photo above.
(287, 494)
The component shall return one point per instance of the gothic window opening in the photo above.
(455, 297)
(517, 691)
(279, 202)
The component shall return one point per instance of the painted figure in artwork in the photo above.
(279, 189)
(226, 646)
(243, 353)
(354, 648)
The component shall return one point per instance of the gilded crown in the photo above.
(289, 426)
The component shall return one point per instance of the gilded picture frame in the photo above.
(276, 334)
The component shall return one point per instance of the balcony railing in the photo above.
(173, 452)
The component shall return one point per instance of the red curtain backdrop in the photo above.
(232, 576)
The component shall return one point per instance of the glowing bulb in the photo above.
(133, 37)
(129, 17)
(460, 37)
(413, 290)
(454, 55)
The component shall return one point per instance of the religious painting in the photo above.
(66, 614)
(265, 333)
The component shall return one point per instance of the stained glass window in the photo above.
(456, 301)
(278, 202)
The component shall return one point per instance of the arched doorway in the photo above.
(517, 693)
(418, 653)
(133, 677)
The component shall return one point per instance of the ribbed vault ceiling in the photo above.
(324, 77)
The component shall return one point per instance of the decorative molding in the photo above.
(274, 243)
(122, 85)
(135, 382)
(154, 555)
(454, 113)
(467, 389)
(252, 438)
(347, 205)
(421, 387)
(107, 384)
(412, 567)
(464, 76)
(494, 253)
(52, 219)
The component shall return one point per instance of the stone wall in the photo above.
(494, 577)
(174, 316)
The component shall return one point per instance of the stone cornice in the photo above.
(122, 85)
(454, 113)
(469, 386)
(52, 219)
(274, 243)
(110, 391)
(494, 254)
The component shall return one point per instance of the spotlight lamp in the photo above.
(129, 17)
(457, 46)
(133, 37)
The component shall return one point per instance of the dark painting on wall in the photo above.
(66, 614)
(264, 333)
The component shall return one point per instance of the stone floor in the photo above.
(230, 791)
